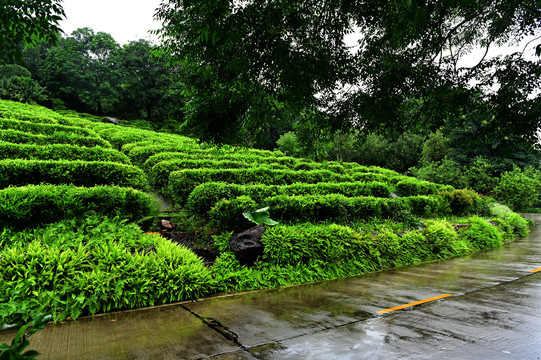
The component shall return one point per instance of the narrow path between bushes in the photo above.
(493, 313)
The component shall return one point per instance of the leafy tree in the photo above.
(84, 70)
(16, 84)
(242, 58)
(147, 81)
(27, 22)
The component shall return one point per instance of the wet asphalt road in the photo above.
(492, 310)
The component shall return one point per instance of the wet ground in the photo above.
(489, 309)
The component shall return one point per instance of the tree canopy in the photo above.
(244, 60)
(24, 23)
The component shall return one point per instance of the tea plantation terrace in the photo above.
(80, 199)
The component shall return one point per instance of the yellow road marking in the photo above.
(535, 270)
(414, 303)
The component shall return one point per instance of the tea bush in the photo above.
(159, 174)
(81, 173)
(333, 207)
(413, 186)
(60, 152)
(20, 137)
(182, 182)
(206, 195)
(44, 129)
(34, 204)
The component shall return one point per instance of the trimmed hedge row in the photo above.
(44, 129)
(206, 195)
(119, 136)
(60, 152)
(139, 154)
(39, 204)
(81, 173)
(412, 186)
(20, 137)
(203, 154)
(227, 213)
(182, 182)
(159, 174)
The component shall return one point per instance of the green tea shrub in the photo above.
(60, 152)
(139, 154)
(333, 207)
(206, 195)
(413, 186)
(197, 153)
(230, 212)
(182, 182)
(73, 269)
(34, 204)
(310, 244)
(20, 137)
(519, 188)
(81, 173)
(159, 174)
(44, 129)
(482, 234)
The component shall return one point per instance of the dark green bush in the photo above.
(465, 202)
(20, 137)
(81, 173)
(60, 152)
(34, 204)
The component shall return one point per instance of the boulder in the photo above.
(166, 225)
(247, 245)
(110, 120)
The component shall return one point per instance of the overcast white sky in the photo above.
(128, 20)
(125, 20)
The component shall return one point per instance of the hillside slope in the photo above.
(72, 190)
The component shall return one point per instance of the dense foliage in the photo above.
(70, 247)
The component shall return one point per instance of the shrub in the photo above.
(289, 145)
(98, 265)
(412, 186)
(446, 172)
(518, 188)
(81, 173)
(443, 239)
(20, 137)
(333, 207)
(210, 154)
(159, 174)
(206, 195)
(464, 202)
(60, 152)
(44, 129)
(481, 234)
(35, 204)
(182, 183)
